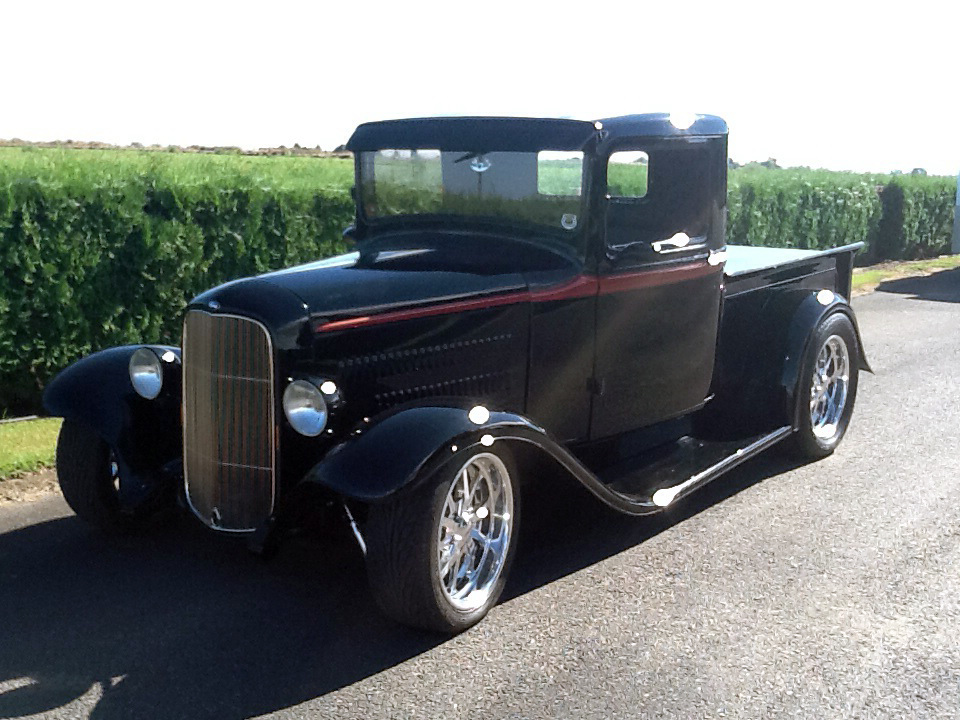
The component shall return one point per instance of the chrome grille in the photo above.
(229, 445)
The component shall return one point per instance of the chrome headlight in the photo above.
(146, 373)
(305, 408)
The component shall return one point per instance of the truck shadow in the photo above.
(943, 286)
(183, 623)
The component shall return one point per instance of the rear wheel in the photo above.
(828, 387)
(90, 480)
(438, 557)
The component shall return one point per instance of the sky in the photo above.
(863, 86)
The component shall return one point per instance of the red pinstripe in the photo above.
(579, 287)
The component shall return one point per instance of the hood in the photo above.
(356, 285)
(348, 285)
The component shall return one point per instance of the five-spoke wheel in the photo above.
(828, 388)
(474, 532)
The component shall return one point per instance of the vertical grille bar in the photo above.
(229, 453)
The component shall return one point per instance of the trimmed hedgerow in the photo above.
(102, 248)
(801, 208)
(917, 219)
(898, 217)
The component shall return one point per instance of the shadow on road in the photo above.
(183, 623)
(943, 286)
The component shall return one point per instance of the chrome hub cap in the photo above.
(828, 391)
(474, 533)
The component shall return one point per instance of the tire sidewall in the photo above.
(84, 476)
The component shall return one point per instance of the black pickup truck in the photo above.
(524, 293)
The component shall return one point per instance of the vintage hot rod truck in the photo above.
(523, 292)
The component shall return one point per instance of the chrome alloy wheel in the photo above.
(474, 534)
(828, 390)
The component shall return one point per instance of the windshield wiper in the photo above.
(469, 156)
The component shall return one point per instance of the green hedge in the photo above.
(917, 219)
(100, 248)
(104, 248)
(899, 217)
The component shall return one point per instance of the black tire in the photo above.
(86, 476)
(814, 441)
(404, 543)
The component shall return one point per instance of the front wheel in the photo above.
(438, 556)
(828, 387)
(89, 478)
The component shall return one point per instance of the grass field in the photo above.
(27, 446)
(85, 167)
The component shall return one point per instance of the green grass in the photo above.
(85, 168)
(867, 277)
(27, 446)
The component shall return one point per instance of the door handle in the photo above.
(678, 243)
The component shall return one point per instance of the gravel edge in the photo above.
(27, 487)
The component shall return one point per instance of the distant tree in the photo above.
(918, 171)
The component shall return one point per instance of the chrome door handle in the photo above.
(678, 242)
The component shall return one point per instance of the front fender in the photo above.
(407, 447)
(144, 434)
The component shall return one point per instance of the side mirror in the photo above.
(350, 233)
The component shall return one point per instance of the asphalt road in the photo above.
(820, 591)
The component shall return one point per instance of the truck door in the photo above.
(658, 305)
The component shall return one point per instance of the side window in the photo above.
(627, 174)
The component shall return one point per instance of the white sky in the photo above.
(843, 85)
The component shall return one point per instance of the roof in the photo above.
(520, 134)
(659, 125)
(468, 133)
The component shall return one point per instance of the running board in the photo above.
(649, 482)
(665, 496)
(656, 480)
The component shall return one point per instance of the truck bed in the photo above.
(750, 268)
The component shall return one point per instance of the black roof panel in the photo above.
(472, 133)
(659, 125)
(520, 134)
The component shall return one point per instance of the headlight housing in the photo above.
(146, 373)
(305, 408)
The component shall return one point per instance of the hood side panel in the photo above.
(477, 357)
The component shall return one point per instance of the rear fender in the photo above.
(813, 309)
(145, 435)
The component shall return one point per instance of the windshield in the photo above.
(543, 188)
